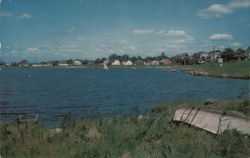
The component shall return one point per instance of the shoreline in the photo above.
(210, 70)
(206, 74)
(184, 69)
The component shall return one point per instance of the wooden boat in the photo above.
(214, 121)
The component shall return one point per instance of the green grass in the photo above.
(153, 135)
(234, 69)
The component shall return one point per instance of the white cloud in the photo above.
(170, 33)
(32, 49)
(239, 4)
(25, 16)
(184, 41)
(220, 36)
(218, 10)
(143, 31)
(221, 47)
(9, 14)
(160, 33)
(0, 2)
(5, 14)
(72, 29)
(236, 44)
(132, 47)
(176, 33)
(123, 42)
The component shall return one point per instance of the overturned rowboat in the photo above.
(214, 121)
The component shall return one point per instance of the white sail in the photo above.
(105, 66)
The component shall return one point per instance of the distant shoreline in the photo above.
(196, 70)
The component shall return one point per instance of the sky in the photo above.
(42, 30)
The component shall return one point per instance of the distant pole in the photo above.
(213, 53)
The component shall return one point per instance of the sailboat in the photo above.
(105, 66)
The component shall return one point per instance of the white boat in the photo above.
(212, 120)
(105, 66)
(173, 70)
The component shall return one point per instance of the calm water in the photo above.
(52, 92)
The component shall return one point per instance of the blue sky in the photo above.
(63, 29)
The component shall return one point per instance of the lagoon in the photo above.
(89, 92)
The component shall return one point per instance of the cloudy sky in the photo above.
(63, 29)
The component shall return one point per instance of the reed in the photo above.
(150, 135)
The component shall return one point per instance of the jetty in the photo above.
(211, 120)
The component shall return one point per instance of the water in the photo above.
(85, 92)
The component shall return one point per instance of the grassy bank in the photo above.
(151, 135)
(234, 69)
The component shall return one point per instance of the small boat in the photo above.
(105, 66)
(212, 120)
(173, 70)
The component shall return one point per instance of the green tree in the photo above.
(113, 57)
(227, 54)
(2, 63)
(162, 56)
(98, 61)
(125, 57)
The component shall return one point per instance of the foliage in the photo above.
(227, 54)
(2, 63)
(151, 135)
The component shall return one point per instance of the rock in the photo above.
(225, 75)
(55, 131)
(210, 101)
(206, 73)
(140, 117)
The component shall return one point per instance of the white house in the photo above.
(204, 55)
(127, 63)
(77, 63)
(154, 62)
(116, 62)
(37, 65)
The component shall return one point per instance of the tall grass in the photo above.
(151, 135)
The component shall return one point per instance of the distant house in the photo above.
(37, 65)
(203, 55)
(239, 56)
(139, 62)
(247, 51)
(165, 62)
(45, 64)
(183, 59)
(63, 63)
(116, 63)
(214, 55)
(154, 62)
(127, 63)
(24, 63)
(77, 63)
